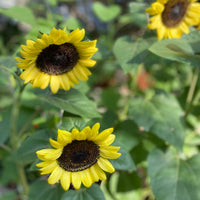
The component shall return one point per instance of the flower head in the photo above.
(172, 18)
(79, 157)
(58, 59)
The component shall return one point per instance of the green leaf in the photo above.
(9, 173)
(162, 116)
(138, 13)
(128, 181)
(106, 13)
(92, 193)
(127, 134)
(68, 123)
(110, 98)
(72, 23)
(41, 190)
(38, 140)
(74, 102)
(130, 53)
(108, 120)
(8, 195)
(139, 153)
(43, 25)
(8, 61)
(172, 178)
(124, 162)
(185, 49)
(5, 124)
(22, 14)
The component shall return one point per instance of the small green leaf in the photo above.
(162, 116)
(38, 140)
(106, 13)
(92, 193)
(172, 178)
(22, 14)
(41, 190)
(74, 102)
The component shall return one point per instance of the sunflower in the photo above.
(79, 157)
(58, 59)
(172, 18)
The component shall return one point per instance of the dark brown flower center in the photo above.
(78, 155)
(174, 12)
(57, 59)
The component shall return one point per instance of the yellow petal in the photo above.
(87, 132)
(49, 168)
(109, 140)
(44, 80)
(87, 44)
(109, 152)
(55, 175)
(65, 82)
(86, 54)
(30, 43)
(79, 73)
(54, 84)
(76, 134)
(156, 8)
(99, 172)
(105, 165)
(76, 36)
(49, 154)
(94, 174)
(103, 135)
(87, 62)
(65, 180)
(95, 129)
(72, 77)
(76, 180)
(55, 144)
(161, 32)
(64, 137)
(43, 164)
(86, 178)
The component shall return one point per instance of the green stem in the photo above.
(191, 91)
(14, 140)
(125, 110)
(23, 179)
(15, 113)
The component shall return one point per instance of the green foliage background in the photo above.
(147, 90)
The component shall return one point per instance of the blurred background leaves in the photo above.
(147, 90)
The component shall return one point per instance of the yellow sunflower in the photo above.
(58, 59)
(172, 18)
(79, 157)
